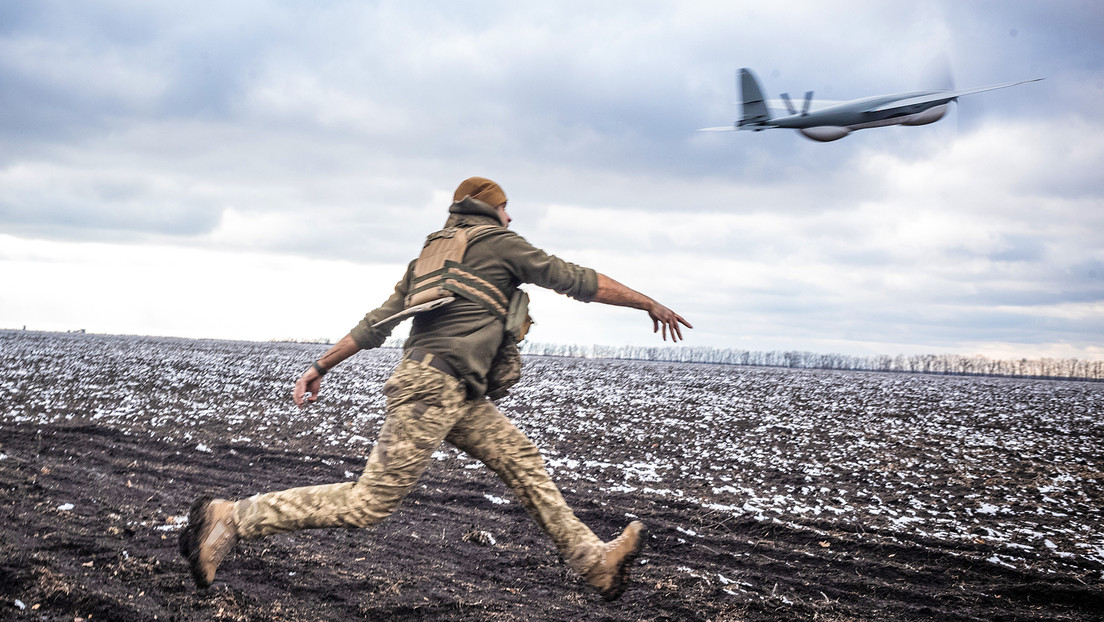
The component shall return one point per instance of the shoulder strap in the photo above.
(478, 232)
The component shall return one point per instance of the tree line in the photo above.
(948, 364)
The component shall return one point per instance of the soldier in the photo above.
(438, 393)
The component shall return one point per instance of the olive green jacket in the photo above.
(463, 333)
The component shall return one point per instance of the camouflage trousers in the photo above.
(425, 407)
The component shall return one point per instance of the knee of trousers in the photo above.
(516, 450)
(374, 501)
(518, 462)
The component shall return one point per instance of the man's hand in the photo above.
(310, 382)
(669, 320)
(611, 292)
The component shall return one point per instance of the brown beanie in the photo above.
(481, 189)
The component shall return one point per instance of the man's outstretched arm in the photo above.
(311, 380)
(611, 292)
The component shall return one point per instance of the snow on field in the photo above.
(1014, 462)
(1008, 462)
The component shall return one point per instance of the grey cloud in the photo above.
(903, 324)
(573, 103)
(76, 217)
(1019, 248)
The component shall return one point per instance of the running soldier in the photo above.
(452, 359)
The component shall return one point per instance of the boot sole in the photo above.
(189, 540)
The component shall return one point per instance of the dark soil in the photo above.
(112, 555)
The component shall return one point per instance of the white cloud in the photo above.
(66, 198)
(137, 289)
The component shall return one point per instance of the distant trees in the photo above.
(321, 340)
(946, 364)
(950, 364)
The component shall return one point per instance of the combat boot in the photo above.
(608, 575)
(211, 534)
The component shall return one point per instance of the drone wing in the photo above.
(944, 96)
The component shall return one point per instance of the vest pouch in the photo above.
(517, 318)
(505, 370)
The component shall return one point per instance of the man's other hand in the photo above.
(309, 383)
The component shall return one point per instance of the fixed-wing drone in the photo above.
(840, 119)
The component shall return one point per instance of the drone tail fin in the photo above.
(754, 109)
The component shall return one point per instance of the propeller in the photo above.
(937, 74)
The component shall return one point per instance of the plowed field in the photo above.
(769, 494)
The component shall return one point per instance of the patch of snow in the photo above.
(988, 508)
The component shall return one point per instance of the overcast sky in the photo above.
(257, 170)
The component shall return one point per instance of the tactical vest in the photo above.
(440, 273)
